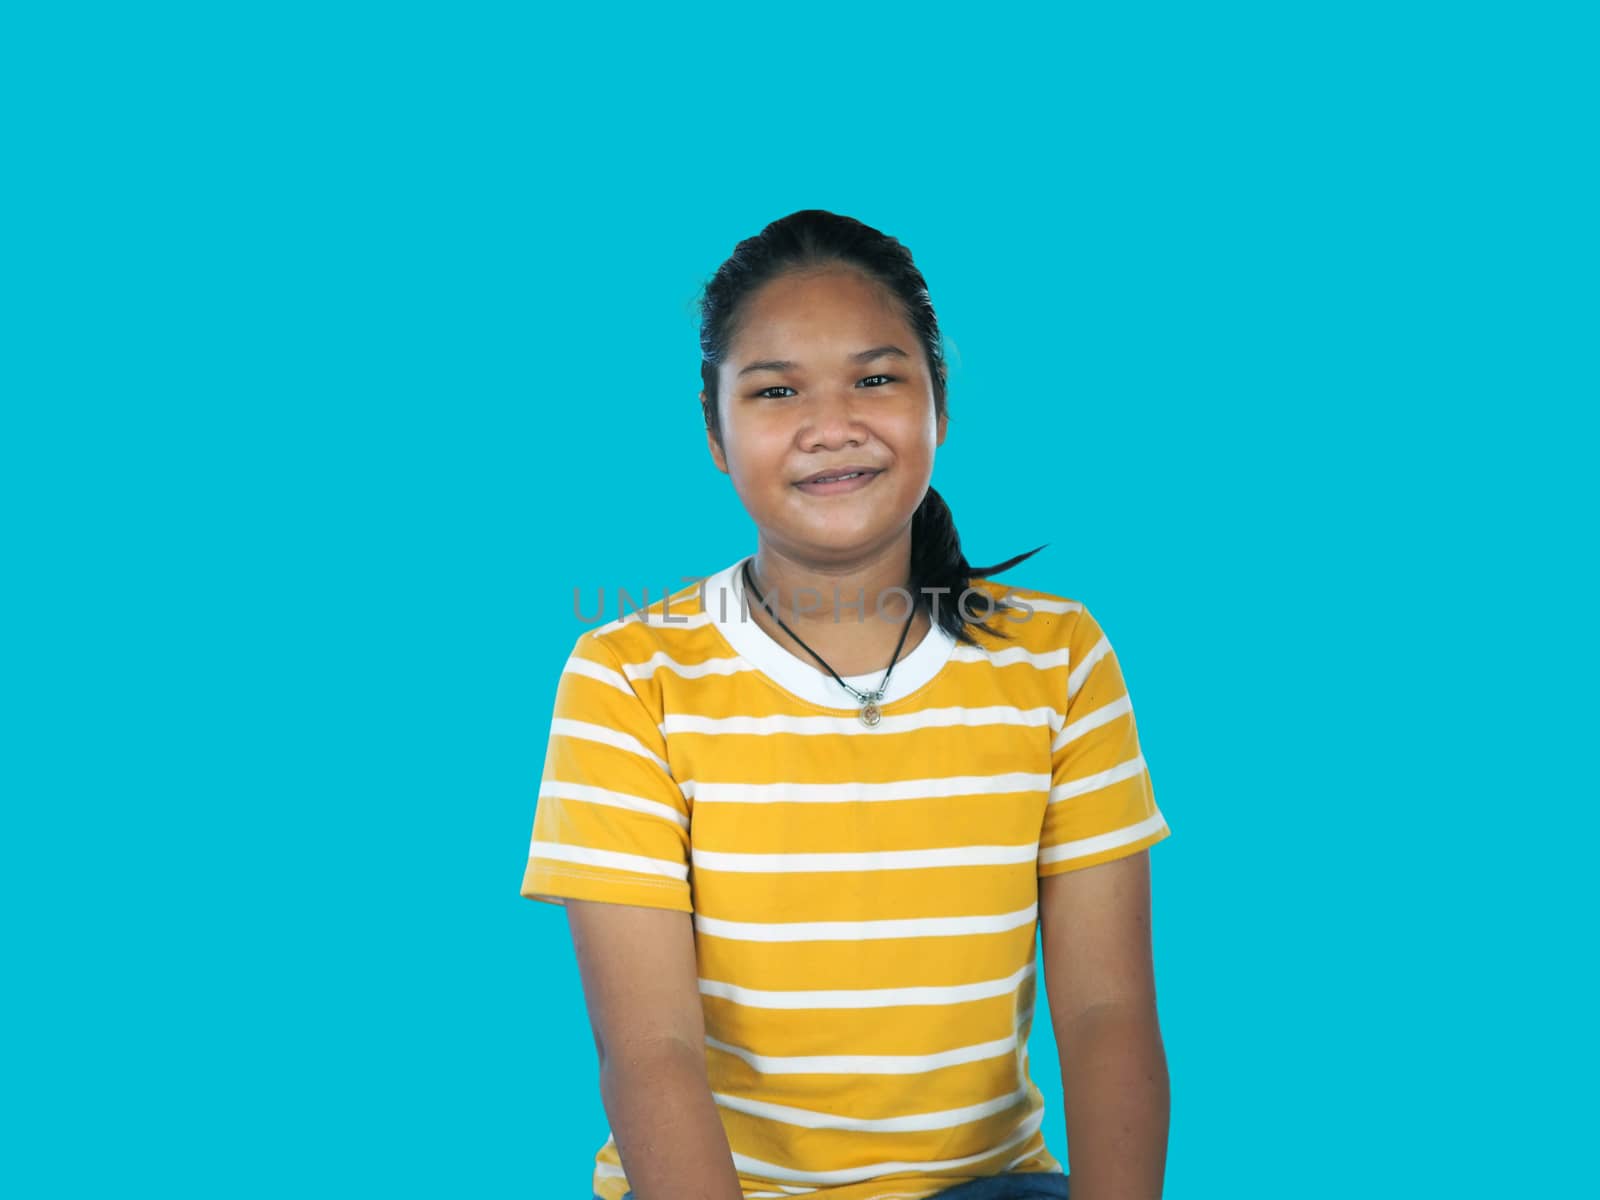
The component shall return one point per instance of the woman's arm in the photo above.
(641, 984)
(1095, 925)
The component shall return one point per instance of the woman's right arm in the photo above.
(641, 984)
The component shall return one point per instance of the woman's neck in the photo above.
(851, 613)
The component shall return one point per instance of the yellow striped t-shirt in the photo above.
(864, 898)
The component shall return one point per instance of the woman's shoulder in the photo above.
(1033, 618)
(1057, 602)
(674, 633)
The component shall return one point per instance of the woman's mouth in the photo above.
(852, 482)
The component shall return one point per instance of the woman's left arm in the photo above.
(1099, 975)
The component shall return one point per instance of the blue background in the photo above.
(342, 344)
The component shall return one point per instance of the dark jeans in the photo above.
(1015, 1185)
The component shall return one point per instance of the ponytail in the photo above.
(937, 562)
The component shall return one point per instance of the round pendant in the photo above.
(870, 713)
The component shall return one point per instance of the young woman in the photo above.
(810, 818)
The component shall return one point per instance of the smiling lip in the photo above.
(865, 476)
(834, 472)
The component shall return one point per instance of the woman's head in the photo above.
(813, 240)
(823, 375)
(821, 351)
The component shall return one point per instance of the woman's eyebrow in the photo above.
(880, 352)
(784, 364)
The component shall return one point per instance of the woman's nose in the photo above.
(833, 414)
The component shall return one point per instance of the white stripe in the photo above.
(754, 1166)
(607, 736)
(883, 1064)
(1042, 660)
(1068, 788)
(586, 856)
(1022, 1158)
(1049, 606)
(593, 670)
(1079, 672)
(1106, 712)
(807, 1118)
(864, 931)
(858, 998)
(929, 718)
(682, 618)
(853, 792)
(560, 789)
(868, 1064)
(661, 660)
(865, 860)
(1084, 847)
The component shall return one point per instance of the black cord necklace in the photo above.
(870, 713)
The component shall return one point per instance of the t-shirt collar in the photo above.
(806, 678)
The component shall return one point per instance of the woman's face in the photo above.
(825, 374)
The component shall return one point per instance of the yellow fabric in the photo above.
(864, 899)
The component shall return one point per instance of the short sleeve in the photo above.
(611, 823)
(1102, 805)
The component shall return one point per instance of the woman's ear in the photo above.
(712, 445)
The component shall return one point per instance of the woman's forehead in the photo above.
(839, 313)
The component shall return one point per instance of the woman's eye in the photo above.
(766, 393)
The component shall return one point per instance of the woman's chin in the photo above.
(835, 539)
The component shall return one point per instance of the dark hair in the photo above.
(815, 238)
